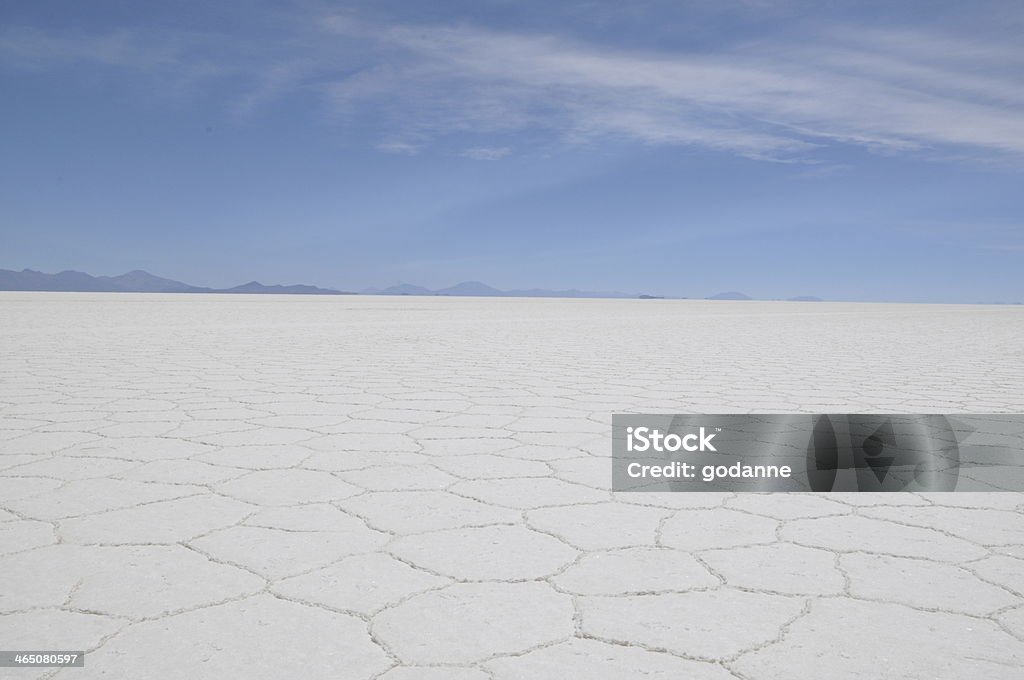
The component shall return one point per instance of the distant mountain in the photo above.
(28, 279)
(572, 293)
(404, 289)
(731, 295)
(136, 281)
(478, 289)
(804, 298)
(259, 288)
(470, 288)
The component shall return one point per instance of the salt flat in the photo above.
(417, 488)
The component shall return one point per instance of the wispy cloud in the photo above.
(907, 91)
(885, 90)
(487, 153)
(178, 59)
(399, 147)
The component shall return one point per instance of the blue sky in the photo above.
(851, 150)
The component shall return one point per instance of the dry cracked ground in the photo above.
(417, 489)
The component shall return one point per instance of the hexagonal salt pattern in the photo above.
(417, 489)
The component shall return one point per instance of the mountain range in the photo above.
(136, 281)
(733, 295)
(479, 289)
(139, 281)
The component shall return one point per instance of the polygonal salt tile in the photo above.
(672, 499)
(418, 511)
(180, 472)
(1009, 550)
(142, 429)
(399, 477)
(136, 581)
(470, 622)
(427, 396)
(11, 461)
(200, 428)
(341, 461)
(556, 425)
(635, 570)
(502, 553)
(363, 583)
(311, 423)
(46, 442)
(72, 468)
(357, 425)
(147, 581)
(539, 452)
(169, 417)
(13, 488)
(90, 425)
(97, 495)
(225, 413)
(434, 673)
(844, 639)
(162, 522)
(1003, 570)
(527, 492)
(1013, 620)
(849, 533)
(288, 487)
(397, 415)
(312, 517)
(140, 404)
(18, 426)
(922, 584)
(600, 525)
(403, 403)
(465, 447)
(703, 529)
(261, 638)
(878, 498)
(976, 499)
(592, 471)
(277, 553)
(139, 448)
(786, 506)
(780, 568)
(364, 441)
(260, 436)
(592, 659)
(698, 624)
(469, 421)
(56, 629)
(988, 527)
(431, 431)
(490, 466)
(255, 457)
(24, 535)
(570, 442)
(556, 411)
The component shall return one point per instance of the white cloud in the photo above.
(886, 90)
(487, 153)
(399, 147)
(896, 91)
